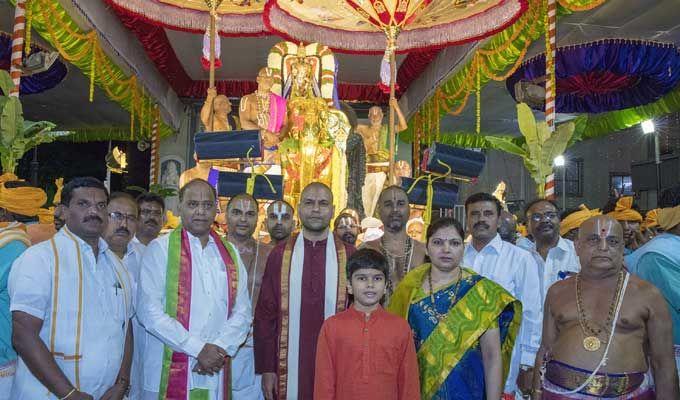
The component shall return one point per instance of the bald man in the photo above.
(307, 274)
(402, 253)
(604, 313)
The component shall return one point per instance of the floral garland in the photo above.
(83, 50)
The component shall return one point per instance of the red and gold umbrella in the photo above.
(389, 26)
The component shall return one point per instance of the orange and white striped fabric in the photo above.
(17, 46)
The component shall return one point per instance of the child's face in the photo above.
(368, 287)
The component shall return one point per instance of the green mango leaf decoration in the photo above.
(16, 135)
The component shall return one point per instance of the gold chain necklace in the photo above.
(437, 314)
(591, 340)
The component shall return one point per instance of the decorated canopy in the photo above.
(38, 82)
(238, 17)
(357, 26)
(607, 75)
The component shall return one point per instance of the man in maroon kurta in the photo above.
(289, 314)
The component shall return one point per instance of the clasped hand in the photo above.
(210, 360)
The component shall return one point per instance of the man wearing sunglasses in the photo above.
(151, 218)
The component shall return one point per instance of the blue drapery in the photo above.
(36, 83)
(606, 75)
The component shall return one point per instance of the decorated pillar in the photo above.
(17, 46)
(155, 147)
(550, 46)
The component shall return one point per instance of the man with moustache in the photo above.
(71, 302)
(346, 226)
(402, 252)
(119, 233)
(556, 258)
(630, 220)
(304, 284)
(280, 221)
(511, 267)
(602, 326)
(151, 218)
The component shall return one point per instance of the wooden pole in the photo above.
(393, 136)
(213, 15)
(211, 81)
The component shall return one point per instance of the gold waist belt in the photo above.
(602, 384)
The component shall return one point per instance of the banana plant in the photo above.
(540, 147)
(18, 136)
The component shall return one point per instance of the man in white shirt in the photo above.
(193, 301)
(556, 258)
(151, 218)
(71, 303)
(509, 266)
(122, 226)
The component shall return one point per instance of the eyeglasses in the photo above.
(146, 212)
(538, 217)
(120, 217)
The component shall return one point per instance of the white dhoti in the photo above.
(7, 372)
(246, 385)
(373, 185)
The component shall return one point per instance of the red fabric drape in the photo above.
(157, 46)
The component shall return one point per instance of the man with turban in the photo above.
(630, 221)
(21, 202)
(572, 220)
(13, 242)
(650, 226)
(658, 261)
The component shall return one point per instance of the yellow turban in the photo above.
(669, 217)
(57, 196)
(651, 219)
(575, 219)
(522, 229)
(25, 200)
(46, 215)
(624, 210)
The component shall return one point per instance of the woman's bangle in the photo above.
(69, 394)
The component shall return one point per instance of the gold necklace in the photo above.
(591, 340)
(437, 314)
(262, 109)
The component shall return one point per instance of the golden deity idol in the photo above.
(317, 132)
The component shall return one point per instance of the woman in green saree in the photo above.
(464, 324)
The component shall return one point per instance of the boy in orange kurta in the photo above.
(365, 352)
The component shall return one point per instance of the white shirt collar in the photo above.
(496, 244)
(197, 241)
(102, 245)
